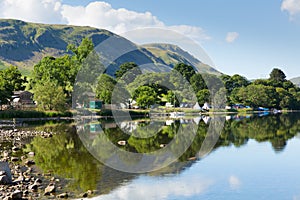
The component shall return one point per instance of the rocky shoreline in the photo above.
(19, 178)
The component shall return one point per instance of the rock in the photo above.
(6, 177)
(14, 159)
(25, 193)
(31, 154)
(38, 181)
(17, 194)
(29, 162)
(20, 178)
(122, 143)
(15, 148)
(4, 180)
(62, 196)
(192, 158)
(2, 173)
(33, 187)
(84, 195)
(50, 189)
(5, 154)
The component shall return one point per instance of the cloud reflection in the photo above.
(234, 182)
(147, 188)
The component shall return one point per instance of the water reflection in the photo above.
(65, 155)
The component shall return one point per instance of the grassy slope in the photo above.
(172, 54)
(24, 44)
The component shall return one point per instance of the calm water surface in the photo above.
(256, 157)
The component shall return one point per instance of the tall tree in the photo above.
(185, 70)
(145, 96)
(203, 96)
(105, 88)
(11, 80)
(49, 96)
(198, 82)
(63, 70)
(277, 75)
(128, 72)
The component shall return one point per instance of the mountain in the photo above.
(172, 54)
(24, 44)
(296, 81)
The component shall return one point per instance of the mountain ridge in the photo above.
(23, 44)
(296, 81)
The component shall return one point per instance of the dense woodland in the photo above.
(52, 82)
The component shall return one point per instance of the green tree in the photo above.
(286, 99)
(198, 82)
(277, 75)
(59, 70)
(258, 95)
(235, 81)
(185, 70)
(50, 96)
(128, 72)
(11, 80)
(145, 96)
(82, 51)
(203, 96)
(171, 97)
(62, 70)
(105, 88)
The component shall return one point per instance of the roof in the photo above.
(20, 92)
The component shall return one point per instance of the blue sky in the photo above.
(264, 34)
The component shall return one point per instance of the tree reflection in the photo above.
(65, 155)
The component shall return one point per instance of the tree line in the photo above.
(53, 83)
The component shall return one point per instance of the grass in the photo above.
(8, 114)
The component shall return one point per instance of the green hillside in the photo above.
(172, 54)
(24, 44)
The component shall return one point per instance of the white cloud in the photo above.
(234, 182)
(102, 15)
(43, 11)
(97, 14)
(291, 6)
(231, 36)
(196, 33)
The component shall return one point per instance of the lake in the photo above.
(243, 157)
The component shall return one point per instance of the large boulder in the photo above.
(5, 174)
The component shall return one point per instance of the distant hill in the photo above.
(296, 81)
(24, 44)
(172, 54)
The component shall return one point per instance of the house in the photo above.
(169, 105)
(206, 106)
(197, 106)
(95, 104)
(22, 98)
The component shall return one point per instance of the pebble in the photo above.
(26, 182)
(50, 189)
(62, 196)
